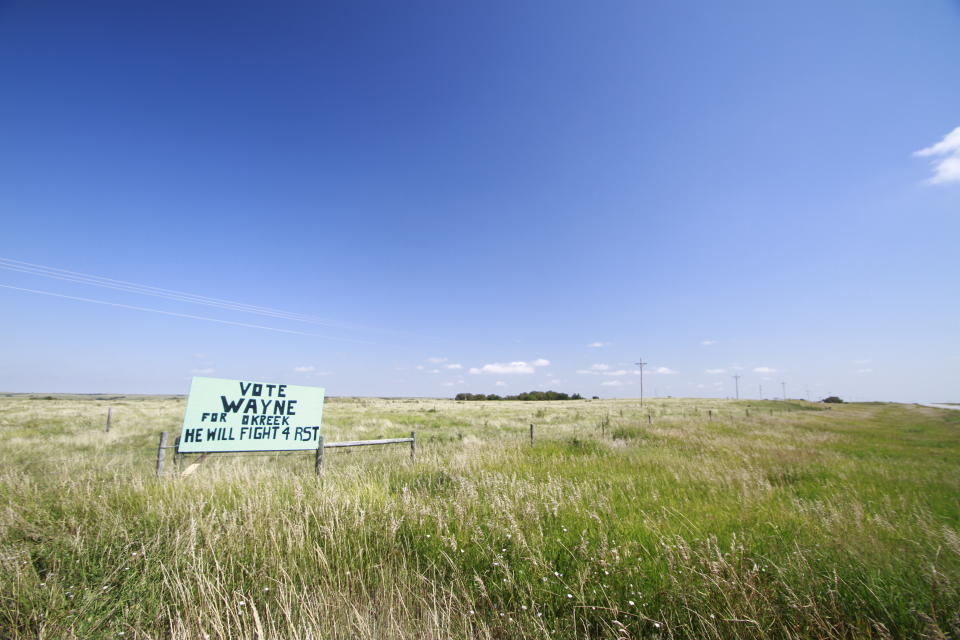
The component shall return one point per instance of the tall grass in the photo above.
(800, 523)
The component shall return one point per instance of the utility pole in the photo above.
(784, 385)
(807, 397)
(736, 382)
(641, 364)
(761, 391)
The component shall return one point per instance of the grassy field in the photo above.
(795, 521)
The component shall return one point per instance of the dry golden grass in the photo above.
(803, 522)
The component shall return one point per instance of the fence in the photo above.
(318, 462)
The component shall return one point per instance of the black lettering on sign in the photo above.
(231, 406)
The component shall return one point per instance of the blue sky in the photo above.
(427, 198)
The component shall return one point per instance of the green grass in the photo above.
(699, 521)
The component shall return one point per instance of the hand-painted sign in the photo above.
(238, 415)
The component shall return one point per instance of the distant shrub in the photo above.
(527, 395)
(832, 400)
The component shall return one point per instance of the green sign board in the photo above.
(241, 415)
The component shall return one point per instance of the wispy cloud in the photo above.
(667, 371)
(311, 371)
(453, 366)
(707, 343)
(863, 361)
(595, 368)
(500, 383)
(436, 360)
(715, 371)
(420, 367)
(599, 345)
(611, 383)
(864, 370)
(203, 372)
(764, 370)
(517, 367)
(946, 165)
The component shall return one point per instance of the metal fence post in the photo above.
(161, 453)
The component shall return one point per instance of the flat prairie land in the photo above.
(683, 518)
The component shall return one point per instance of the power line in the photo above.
(641, 364)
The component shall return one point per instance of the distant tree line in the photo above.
(527, 395)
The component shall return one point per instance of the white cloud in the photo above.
(715, 371)
(500, 383)
(203, 372)
(436, 360)
(604, 370)
(863, 361)
(306, 368)
(447, 384)
(510, 367)
(864, 370)
(453, 366)
(599, 345)
(594, 369)
(707, 343)
(946, 168)
(611, 383)
(764, 370)
(664, 370)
